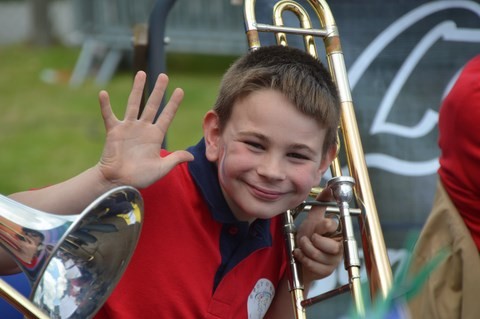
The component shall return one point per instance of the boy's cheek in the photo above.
(309, 178)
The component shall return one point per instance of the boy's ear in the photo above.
(326, 161)
(211, 133)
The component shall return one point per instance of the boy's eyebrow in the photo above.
(303, 147)
(254, 134)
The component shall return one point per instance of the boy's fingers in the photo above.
(320, 269)
(106, 109)
(327, 245)
(175, 158)
(135, 97)
(170, 109)
(320, 249)
(330, 228)
(155, 98)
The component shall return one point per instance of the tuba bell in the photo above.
(341, 190)
(72, 262)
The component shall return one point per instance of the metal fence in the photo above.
(206, 26)
(200, 26)
(107, 28)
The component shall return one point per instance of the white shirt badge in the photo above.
(260, 299)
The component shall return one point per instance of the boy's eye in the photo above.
(298, 156)
(254, 145)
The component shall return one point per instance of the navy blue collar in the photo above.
(237, 239)
(204, 174)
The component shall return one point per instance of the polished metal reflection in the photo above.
(73, 262)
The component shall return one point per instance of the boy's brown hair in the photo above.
(300, 77)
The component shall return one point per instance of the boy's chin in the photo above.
(262, 214)
(252, 209)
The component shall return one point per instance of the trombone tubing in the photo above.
(19, 301)
(376, 258)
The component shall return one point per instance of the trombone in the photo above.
(340, 189)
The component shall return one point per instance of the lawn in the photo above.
(51, 131)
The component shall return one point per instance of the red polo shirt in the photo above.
(193, 259)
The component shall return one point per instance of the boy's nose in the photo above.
(271, 167)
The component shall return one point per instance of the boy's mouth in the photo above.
(264, 193)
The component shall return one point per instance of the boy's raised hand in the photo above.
(131, 155)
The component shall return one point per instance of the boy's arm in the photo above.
(68, 197)
(131, 156)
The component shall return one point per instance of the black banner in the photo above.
(402, 59)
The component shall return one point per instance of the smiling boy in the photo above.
(212, 244)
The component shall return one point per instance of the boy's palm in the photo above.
(131, 155)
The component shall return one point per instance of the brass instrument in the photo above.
(375, 253)
(72, 262)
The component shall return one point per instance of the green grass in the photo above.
(49, 132)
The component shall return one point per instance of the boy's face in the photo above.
(269, 155)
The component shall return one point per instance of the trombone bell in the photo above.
(72, 262)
